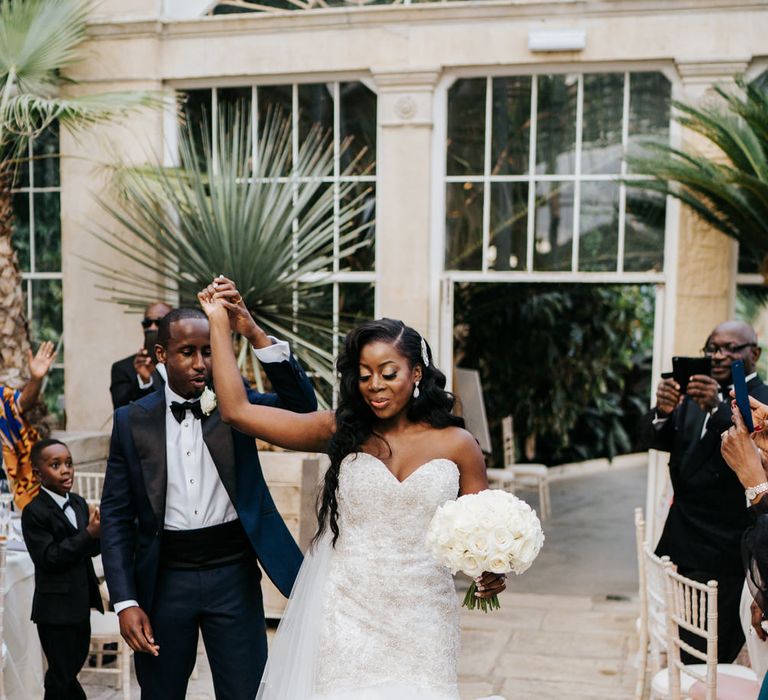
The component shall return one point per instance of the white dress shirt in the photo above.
(61, 501)
(195, 495)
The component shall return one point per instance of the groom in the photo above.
(186, 514)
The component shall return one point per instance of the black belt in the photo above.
(206, 547)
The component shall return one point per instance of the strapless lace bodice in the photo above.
(391, 611)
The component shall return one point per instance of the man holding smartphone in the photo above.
(708, 515)
(135, 376)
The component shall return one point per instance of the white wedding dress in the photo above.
(375, 618)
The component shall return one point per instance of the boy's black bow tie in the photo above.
(67, 504)
(180, 409)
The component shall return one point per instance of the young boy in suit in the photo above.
(61, 536)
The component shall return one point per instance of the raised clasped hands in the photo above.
(222, 294)
(40, 363)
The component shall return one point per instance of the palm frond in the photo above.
(728, 185)
(270, 224)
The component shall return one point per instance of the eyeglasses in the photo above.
(149, 322)
(727, 349)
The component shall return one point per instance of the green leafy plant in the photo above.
(39, 41)
(728, 185)
(570, 363)
(259, 217)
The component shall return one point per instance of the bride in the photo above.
(372, 616)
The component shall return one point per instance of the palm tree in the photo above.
(260, 218)
(729, 191)
(39, 41)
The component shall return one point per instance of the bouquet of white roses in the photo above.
(487, 531)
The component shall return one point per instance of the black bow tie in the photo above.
(179, 410)
(67, 504)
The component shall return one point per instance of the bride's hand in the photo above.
(210, 305)
(489, 584)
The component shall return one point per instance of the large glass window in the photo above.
(534, 169)
(347, 111)
(37, 241)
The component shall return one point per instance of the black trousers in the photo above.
(730, 636)
(66, 649)
(225, 605)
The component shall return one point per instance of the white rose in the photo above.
(498, 565)
(208, 402)
(470, 566)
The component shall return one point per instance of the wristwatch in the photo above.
(753, 491)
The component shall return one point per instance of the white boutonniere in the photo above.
(208, 401)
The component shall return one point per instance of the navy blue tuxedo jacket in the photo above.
(133, 500)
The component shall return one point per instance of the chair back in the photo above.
(89, 485)
(508, 441)
(655, 569)
(691, 606)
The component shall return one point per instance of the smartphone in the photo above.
(150, 340)
(742, 396)
(683, 368)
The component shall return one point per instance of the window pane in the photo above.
(197, 113)
(47, 232)
(355, 303)
(511, 125)
(509, 226)
(46, 151)
(364, 258)
(748, 263)
(598, 226)
(358, 121)
(21, 242)
(556, 124)
(273, 98)
(315, 108)
(554, 226)
(601, 135)
(311, 221)
(46, 310)
(466, 127)
(649, 105)
(54, 395)
(464, 226)
(644, 231)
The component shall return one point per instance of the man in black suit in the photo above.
(187, 514)
(702, 533)
(135, 376)
(61, 536)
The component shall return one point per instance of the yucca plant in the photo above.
(39, 41)
(729, 189)
(255, 215)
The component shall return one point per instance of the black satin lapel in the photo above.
(148, 432)
(217, 436)
(700, 446)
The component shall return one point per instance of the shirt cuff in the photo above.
(143, 384)
(124, 605)
(279, 351)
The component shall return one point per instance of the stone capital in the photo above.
(405, 97)
(699, 76)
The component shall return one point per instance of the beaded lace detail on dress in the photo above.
(391, 612)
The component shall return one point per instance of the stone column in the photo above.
(705, 259)
(404, 169)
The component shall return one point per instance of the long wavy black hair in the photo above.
(356, 422)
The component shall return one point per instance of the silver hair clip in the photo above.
(424, 352)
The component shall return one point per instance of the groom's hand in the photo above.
(137, 631)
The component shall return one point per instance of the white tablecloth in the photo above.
(24, 665)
